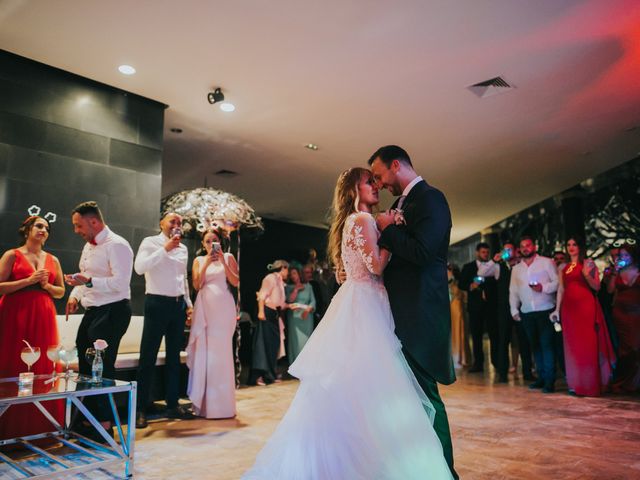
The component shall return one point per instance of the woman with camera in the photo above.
(624, 282)
(210, 355)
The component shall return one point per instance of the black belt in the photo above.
(95, 307)
(165, 297)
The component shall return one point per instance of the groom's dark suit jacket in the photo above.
(416, 280)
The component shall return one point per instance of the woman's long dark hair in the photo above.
(582, 249)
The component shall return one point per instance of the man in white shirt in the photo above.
(162, 259)
(102, 287)
(532, 298)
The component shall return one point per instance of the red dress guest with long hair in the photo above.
(588, 354)
(626, 317)
(30, 279)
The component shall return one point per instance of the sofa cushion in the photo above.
(129, 350)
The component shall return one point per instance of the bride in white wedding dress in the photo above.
(359, 413)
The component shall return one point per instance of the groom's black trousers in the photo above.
(441, 422)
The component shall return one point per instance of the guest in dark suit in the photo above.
(319, 293)
(417, 234)
(506, 260)
(478, 279)
(606, 298)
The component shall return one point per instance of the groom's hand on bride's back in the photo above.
(341, 275)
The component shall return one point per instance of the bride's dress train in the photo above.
(359, 412)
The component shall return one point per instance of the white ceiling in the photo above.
(351, 76)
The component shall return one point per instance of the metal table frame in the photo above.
(123, 453)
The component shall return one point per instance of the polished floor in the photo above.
(500, 431)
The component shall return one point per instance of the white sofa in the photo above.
(129, 351)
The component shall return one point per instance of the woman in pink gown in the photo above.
(588, 353)
(30, 279)
(210, 354)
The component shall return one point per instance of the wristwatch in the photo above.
(89, 284)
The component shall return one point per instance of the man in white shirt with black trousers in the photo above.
(532, 298)
(103, 288)
(162, 259)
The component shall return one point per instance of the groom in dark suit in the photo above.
(417, 235)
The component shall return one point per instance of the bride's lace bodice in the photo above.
(360, 253)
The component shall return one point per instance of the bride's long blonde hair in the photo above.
(345, 202)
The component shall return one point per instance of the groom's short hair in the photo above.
(390, 153)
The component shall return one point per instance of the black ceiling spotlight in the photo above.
(215, 96)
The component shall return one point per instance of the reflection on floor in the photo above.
(500, 431)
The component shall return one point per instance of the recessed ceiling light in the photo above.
(227, 107)
(176, 130)
(311, 146)
(127, 69)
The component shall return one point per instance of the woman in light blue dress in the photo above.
(302, 303)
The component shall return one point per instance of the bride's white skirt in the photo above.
(359, 412)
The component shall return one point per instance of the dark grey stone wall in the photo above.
(65, 139)
(601, 210)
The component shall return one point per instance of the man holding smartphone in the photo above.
(102, 288)
(532, 298)
(162, 259)
(478, 278)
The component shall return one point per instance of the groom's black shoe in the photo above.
(476, 369)
(536, 384)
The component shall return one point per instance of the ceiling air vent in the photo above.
(493, 86)
(226, 173)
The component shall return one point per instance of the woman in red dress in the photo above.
(625, 282)
(29, 280)
(588, 353)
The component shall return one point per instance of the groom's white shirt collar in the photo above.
(412, 184)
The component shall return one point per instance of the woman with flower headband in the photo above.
(30, 279)
(588, 353)
(359, 412)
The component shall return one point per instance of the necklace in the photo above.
(572, 267)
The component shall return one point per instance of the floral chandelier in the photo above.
(202, 208)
